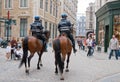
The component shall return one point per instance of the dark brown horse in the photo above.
(33, 45)
(62, 47)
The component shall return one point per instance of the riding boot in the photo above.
(45, 46)
(74, 50)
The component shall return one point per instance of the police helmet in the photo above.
(63, 15)
(37, 17)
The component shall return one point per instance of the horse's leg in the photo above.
(39, 60)
(41, 63)
(56, 69)
(61, 67)
(61, 70)
(68, 58)
(25, 61)
(26, 70)
(29, 58)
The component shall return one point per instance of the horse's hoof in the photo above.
(62, 78)
(67, 70)
(38, 68)
(27, 71)
(41, 65)
(56, 72)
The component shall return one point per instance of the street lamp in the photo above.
(9, 22)
(8, 26)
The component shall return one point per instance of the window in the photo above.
(50, 6)
(53, 10)
(23, 3)
(45, 25)
(56, 31)
(8, 31)
(56, 10)
(46, 5)
(50, 26)
(53, 31)
(23, 27)
(8, 3)
(41, 4)
(116, 27)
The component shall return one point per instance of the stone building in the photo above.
(23, 12)
(81, 25)
(90, 19)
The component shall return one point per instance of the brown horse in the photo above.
(33, 45)
(62, 47)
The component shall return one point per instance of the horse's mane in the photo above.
(63, 34)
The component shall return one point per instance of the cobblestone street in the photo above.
(82, 69)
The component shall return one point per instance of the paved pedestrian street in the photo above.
(97, 68)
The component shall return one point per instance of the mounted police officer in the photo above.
(37, 30)
(66, 26)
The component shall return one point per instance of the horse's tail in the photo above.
(25, 51)
(56, 47)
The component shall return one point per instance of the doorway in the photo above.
(106, 43)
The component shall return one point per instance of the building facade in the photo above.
(81, 25)
(0, 8)
(100, 3)
(108, 23)
(23, 12)
(0, 15)
(90, 19)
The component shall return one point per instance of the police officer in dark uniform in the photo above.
(37, 30)
(66, 26)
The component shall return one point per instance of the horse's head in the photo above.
(47, 34)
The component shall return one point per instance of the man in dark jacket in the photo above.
(37, 30)
(66, 26)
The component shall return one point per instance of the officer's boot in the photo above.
(45, 46)
(74, 50)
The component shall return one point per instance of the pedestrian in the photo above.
(84, 44)
(18, 53)
(89, 45)
(19, 43)
(13, 45)
(8, 51)
(113, 46)
(93, 43)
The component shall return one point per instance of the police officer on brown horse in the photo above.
(37, 31)
(66, 27)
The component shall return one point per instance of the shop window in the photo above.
(101, 33)
(116, 27)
